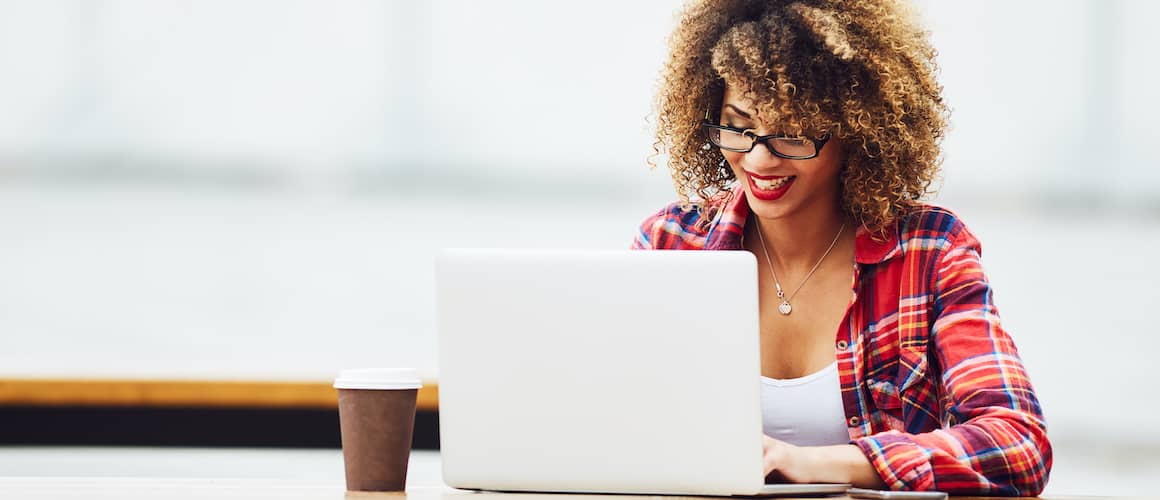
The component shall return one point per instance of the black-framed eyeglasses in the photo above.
(743, 141)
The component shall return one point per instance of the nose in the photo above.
(761, 157)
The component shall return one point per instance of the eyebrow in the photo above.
(738, 111)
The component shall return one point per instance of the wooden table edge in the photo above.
(161, 393)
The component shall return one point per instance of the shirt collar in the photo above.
(731, 211)
(871, 248)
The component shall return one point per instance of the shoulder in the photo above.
(934, 228)
(676, 226)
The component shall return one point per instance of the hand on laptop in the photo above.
(787, 463)
(783, 462)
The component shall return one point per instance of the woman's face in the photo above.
(778, 187)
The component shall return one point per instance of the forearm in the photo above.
(992, 456)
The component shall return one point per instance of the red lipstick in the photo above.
(769, 194)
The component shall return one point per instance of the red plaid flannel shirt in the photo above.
(934, 391)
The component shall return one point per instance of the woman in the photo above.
(806, 132)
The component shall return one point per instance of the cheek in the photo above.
(834, 170)
(818, 178)
(825, 170)
(731, 160)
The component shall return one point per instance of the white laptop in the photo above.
(602, 372)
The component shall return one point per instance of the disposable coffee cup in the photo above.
(376, 412)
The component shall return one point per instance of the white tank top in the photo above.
(805, 411)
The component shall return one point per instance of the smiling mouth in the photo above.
(770, 184)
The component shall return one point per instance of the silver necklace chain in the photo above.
(784, 307)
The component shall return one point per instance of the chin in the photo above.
(768, 209)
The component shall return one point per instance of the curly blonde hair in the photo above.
(860, 70)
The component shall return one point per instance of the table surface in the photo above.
(148, 472)
(183, 488)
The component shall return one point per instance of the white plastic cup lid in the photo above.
(378, 378)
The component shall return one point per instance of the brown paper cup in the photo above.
(376, 426)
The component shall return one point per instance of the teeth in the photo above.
(770, 185)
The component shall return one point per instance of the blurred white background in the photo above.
(255, 189)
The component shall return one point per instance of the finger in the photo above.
(769, 462)
(768, 447)
(767, 444)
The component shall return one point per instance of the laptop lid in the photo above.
(599, 371)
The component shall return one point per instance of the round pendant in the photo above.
(785, 308)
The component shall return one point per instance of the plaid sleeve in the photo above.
(670, 228)
(994, 438)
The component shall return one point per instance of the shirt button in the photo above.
(853, 421)
(842, 345)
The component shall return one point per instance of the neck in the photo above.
(799, 240)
